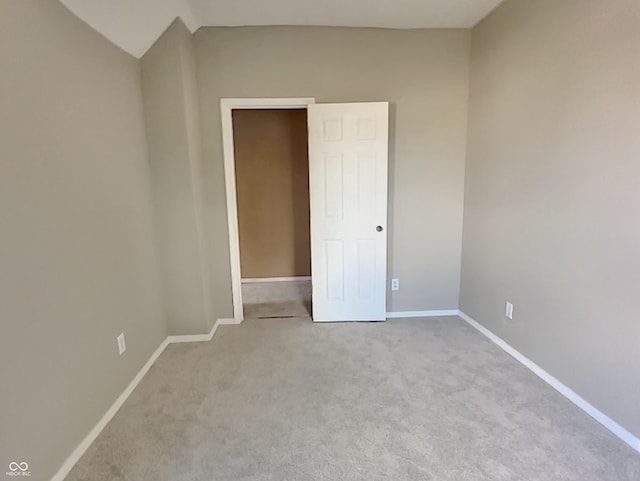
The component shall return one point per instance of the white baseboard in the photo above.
(406, 314)
(256, 280)
(97, 429)
(228, 322)
(403, 314)
(195, 337)
(567, 392)
(355, 321)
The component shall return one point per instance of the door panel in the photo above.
(348, 152)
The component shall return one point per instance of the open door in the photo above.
(348, 156)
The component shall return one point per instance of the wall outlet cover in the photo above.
(508, 311)
(395, 284)
(121, 344)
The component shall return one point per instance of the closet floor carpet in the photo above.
(409, 399)
(276, 310)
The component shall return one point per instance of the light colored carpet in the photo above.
(268, 310)
(402, 400)
(260, 292)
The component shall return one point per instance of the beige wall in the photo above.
(76, 250)
(175, 156)
(272, 186)
(422, 73)
(552, 202)
(193, 127)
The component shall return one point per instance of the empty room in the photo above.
(302, 240)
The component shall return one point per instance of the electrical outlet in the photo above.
(395, 284)
(508, 310)
(121, 344)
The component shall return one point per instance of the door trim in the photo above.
(258, 280)
(227, 105)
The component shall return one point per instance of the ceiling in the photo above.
(134, 25)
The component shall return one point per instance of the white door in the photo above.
(348, 149)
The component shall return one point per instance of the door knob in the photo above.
(379, 228)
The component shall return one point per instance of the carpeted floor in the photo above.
(274, 310)
(288, 400)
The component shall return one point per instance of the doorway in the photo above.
(347, 181)
(272, 189)
(227, 107)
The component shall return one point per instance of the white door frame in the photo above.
(226, 109)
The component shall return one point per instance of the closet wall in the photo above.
(272, 184)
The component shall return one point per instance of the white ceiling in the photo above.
(135, 24)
